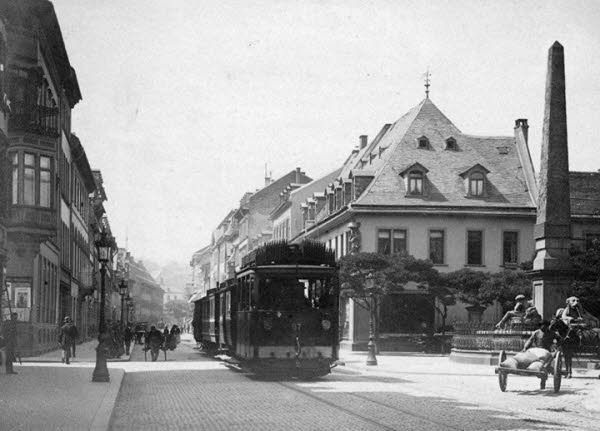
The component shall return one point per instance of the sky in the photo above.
(184, 102)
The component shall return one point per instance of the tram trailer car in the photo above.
(280, 314)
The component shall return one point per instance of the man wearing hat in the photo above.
(518, 311)
(67, 338)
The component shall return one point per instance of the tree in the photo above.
(390, 273)
(586, 285)
(484, 288)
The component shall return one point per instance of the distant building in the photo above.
(146, 293)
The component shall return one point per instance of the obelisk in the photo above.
(551, 266)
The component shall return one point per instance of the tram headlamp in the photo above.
(326, 324)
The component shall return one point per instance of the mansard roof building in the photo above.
(424, 187)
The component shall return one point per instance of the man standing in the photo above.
(9, 333)
(67, 337)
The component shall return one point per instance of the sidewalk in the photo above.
(46, 394)
(86, 352)
(575, 405)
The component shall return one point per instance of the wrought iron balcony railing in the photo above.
(36, 119)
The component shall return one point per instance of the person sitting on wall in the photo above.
(518, 311)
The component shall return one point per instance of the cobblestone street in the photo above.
(204, 394)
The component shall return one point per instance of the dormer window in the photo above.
(451, 144)
(415, 179)
(415, 183)
(423, 143)
(475, 181)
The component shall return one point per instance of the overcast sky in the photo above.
(185, 101)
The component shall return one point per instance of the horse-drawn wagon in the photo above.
(551, 367)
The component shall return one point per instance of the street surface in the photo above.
(190, 391)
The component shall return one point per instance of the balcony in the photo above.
(37, 119)
(32, 218)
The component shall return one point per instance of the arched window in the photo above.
(476, 184)
(415, 183)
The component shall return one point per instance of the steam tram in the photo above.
(279, 315)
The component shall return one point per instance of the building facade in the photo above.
(146, 293)
(423, 187)
(51, 210)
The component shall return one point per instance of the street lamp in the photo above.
(129, 301)
(370, 287)
(104, 247)
(122, 292)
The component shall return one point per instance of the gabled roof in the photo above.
(478, 167)
(413, 166)
(506, 184)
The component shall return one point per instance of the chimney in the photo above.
(363, 141)
(298, 176)
(521, 125)
(355, 151)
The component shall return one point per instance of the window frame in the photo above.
(419, 177)
(510, 264)
(482, 248)
(18, 177)
(472, 180)
(444, 245)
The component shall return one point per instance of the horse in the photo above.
(573, 338)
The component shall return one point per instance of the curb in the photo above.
(104, 414)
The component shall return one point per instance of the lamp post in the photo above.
(370, 287)
(129, 301)
(122, 292)
(104, 247)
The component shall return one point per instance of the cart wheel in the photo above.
(502, 377)
(501, 357)
(557, 371)
(543, 382)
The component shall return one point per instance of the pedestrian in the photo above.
(127, 337)
(154, 341)
(9, 334)
(66, 338)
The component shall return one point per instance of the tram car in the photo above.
(279, 314)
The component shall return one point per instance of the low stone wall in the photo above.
(481, 342)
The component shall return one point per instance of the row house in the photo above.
(146, 293)
(242, 230)
(200, 273)
(4, 165)
(49, 192)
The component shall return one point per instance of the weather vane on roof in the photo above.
(426, 75)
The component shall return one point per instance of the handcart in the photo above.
(552, 367)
